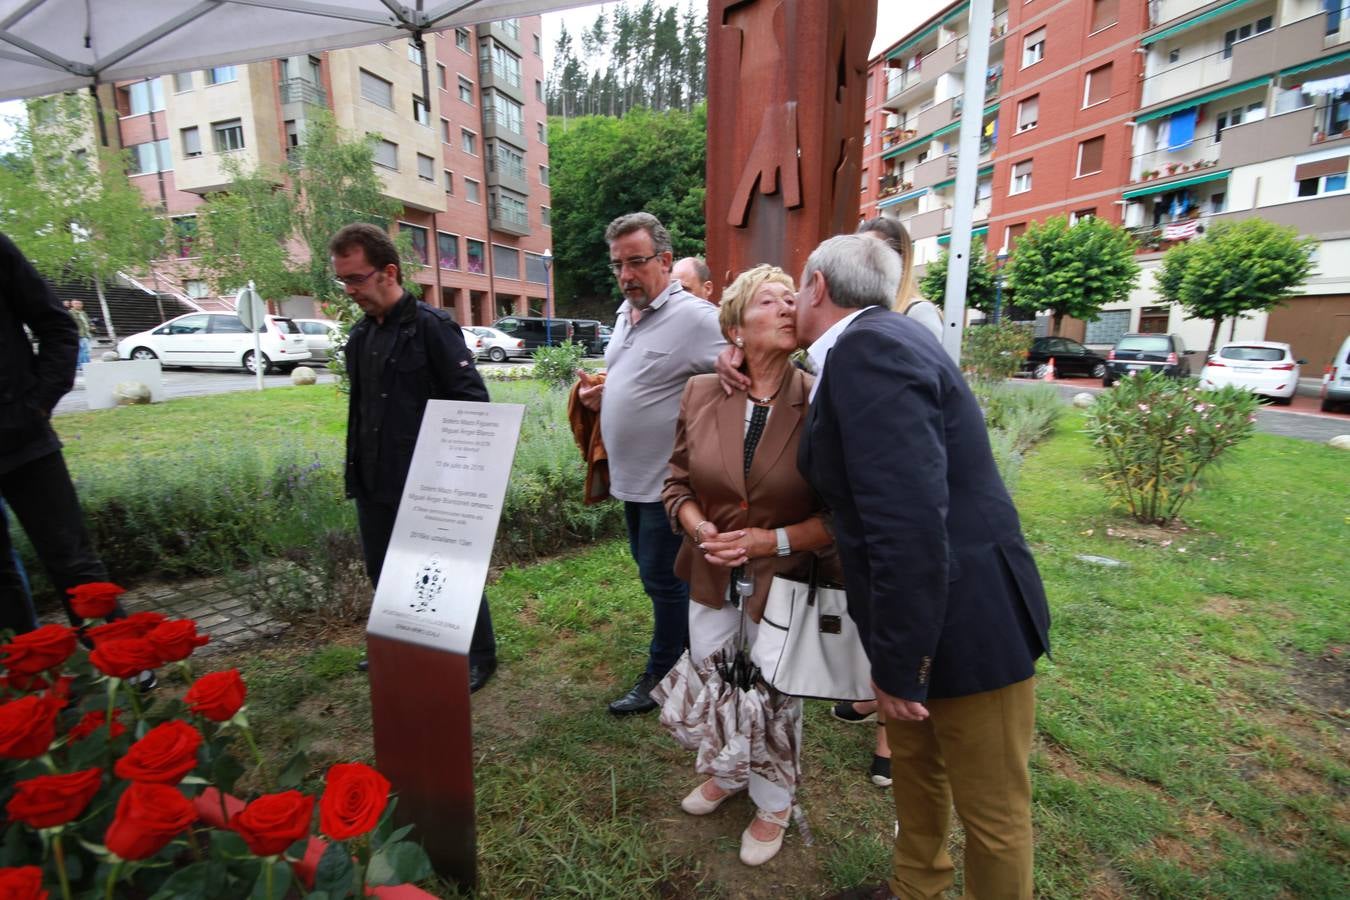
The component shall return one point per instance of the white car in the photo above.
(219, 340)
(321, 335)
(498, 346)
(473, 342)
(1267, 368)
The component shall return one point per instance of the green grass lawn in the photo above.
(1191, 726)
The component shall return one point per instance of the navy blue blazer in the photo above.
(939, 578)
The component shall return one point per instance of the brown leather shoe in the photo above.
(876, 892)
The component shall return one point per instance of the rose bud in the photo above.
(50, 800)
(148, 817)
(166, 753)
(217, 696)
(94, 600)
(273, 822)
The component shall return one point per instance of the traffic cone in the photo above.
(1050, 370)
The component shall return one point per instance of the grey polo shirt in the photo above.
(676, 338)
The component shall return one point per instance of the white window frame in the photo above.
(229, 125)
(473, 191)
(472, 136)
(1034, 48)
(1087, 85)
(1078, 166)
(1020, 182)
(1021, 104)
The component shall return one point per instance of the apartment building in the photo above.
(1164, 116)
(469, 163)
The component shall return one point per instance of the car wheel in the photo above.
(143, 353)
(251, 366)
(497, 354)
(1328, 405)
(1099, 370)
(1040, 371)
(1283, 401)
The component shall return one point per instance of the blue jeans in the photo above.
(654, 546)
(84, 354)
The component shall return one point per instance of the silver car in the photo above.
(322, 335)
(498, 346)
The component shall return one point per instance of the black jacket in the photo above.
(939, 578)
(31, 382)
(429, 361)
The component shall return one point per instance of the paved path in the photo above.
(1302, 419)
(193, 383)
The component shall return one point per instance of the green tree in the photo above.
(1235, 269)
(68, 202)
(647, 161)
(1072, 270)
(981, 289)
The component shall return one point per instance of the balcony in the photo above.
(510, 220)
(894, 137)
(1198, 155)
(1154, 238)
(930, 172)
(939, 115)
(1288, 45)
(945, 58)
(1284, 134)
(302, 90)
(890, 185)
(1187, 78)
(902, 90)
(929, 224)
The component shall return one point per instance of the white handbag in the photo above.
(808, 645)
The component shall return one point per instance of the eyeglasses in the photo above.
(633, 262)
(354, 280)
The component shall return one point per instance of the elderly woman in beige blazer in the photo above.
(735, 493)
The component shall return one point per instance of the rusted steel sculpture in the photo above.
(786, 101)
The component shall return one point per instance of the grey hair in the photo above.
(627, 224)
(859, 271)
(700, 267)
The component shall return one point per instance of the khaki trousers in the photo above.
(971, 751)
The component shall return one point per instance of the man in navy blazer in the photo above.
(940, 580)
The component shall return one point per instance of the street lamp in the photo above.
(999, 261)
(547, 259)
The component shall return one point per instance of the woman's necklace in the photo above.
(763, 401)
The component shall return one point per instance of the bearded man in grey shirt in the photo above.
(663, 336)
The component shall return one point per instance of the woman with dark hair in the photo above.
(894, 235)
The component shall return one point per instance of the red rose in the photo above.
(39, 650)
(125, 658)
(217, 696)
(354, 798)
(273, 822)
(176, 640)
(50, 800)
(94, 600)
(148, 817)
(135, 625)
(93, 721)
(166, 753)
(24, 883)
(27, 727)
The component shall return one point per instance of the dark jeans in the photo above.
(42, 498)
(376, 523)
(654, 546)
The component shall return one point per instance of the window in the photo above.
(377, 90)
(1090, 154)
(192, 141)
(496, 59)
(867, 135)
(152, 156)
(1097, 86)
(1021, 177)
(445, 131)
(466, 90)
(471, 192)
(1174, 55)
(473, 254)
(545, 217)
(1104, 13)
(542, 131)
(144, 97)
(462, 39)
(182, 82)
(1218, 202)
(1033, 48)
(506, 112)
(421, 114)
(184, 235)
(538, 46)
(418, 235)
(535, 270)
(512, 28)
(1012, 233)
(227, 325)
(1241, 33)
(221, 75)
(1028, 111)
(1252, 112)
(543, 175)
(187, 325)
(228, 135)
(1109, 326)
(386, 154)
(442, 80)
(509, 207)
(292, 134)
(196, 288)
(426, 167)
(468, 142)
(447, 250)
(414, 53)
(506, 160)
(539, 90)
(505, 261)
(862, 186)
(449, 181)
(1323, 176)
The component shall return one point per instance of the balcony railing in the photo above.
(516, 217)
(302, 90)
(1166, 234)
(498, 70)
(890, 185)
(895, 135)
(1166, 162)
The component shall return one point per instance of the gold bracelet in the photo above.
(698, 531)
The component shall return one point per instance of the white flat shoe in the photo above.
(755, 852)
(696, 804)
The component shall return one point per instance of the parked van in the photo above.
(537, 331)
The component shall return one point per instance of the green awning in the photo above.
(918, 38)
(986, 170)
(1191, 23)
(1173, 185)
(1203, 98)
(1315, 64)
(974, 233)
(920, 141)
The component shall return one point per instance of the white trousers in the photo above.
(710, 630)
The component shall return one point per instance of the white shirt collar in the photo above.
(820, 349)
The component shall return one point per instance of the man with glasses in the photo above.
(402, 354)
(663, 336)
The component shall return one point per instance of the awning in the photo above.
(1174, 185)
(919, 38)
(974, 233)
(1203, 98)
(983, 171)
(1315, 64)
(1191, 23)
(902, 198)
(920, 141)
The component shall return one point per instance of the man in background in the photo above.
(695, 276)
(86, 331)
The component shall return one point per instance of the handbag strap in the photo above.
(811, 582)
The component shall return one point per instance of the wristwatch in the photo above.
(784, 548)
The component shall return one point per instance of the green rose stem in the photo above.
(132, 692)
(112, 880)
(186, 670)
(60, 851)
(363, 857)
(271, 863)
(194, 843)
(257, 756)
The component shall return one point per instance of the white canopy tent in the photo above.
(48, 46)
